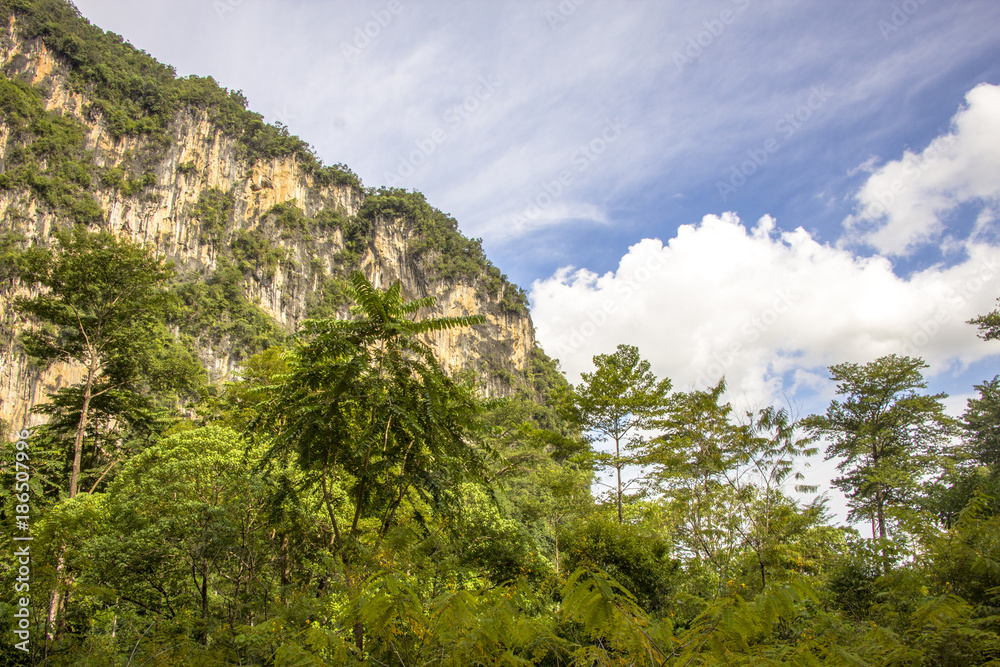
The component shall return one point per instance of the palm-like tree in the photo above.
(367, 404)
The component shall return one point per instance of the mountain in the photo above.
(263, 235)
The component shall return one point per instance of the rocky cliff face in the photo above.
(200, 161)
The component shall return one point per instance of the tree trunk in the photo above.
(557, 555)
(618, 469)
(204, 601)
(81, 429)
(879, 503)
(54, 601)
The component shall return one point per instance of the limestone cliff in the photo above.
(191, 190)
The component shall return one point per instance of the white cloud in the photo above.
(769, 310)
(905, 202)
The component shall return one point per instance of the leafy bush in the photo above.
(254, 253)
(187, 168)
(216, 309)
(213, 211)
(639, 559)
(287, 215)
(114, 177)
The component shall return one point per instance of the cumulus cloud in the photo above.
(767, 309)
(905, 203)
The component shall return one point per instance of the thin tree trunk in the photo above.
(879, 503)
(204, 601)
(359, 628)
(81, 429)
(557, 555)
(54, 601)
(618, 469)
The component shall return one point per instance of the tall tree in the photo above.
(617, 401)
(366, 405)
(981, 424)
(885, 432)
(100, 302)
(766, 454)
(689, 459)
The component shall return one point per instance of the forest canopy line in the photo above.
(347, 502)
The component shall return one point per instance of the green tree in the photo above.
(366, 406)
(885, 432)
(184, 529)
(981, 424)
(989, 324)
(101, 305)
(617, 401)
(637, 556)
(689, 459)
(766, 453)
(102, 299)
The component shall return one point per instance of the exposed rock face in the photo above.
(201, 159)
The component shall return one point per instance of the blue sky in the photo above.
(756, 187)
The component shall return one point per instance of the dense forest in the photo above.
(346, 501)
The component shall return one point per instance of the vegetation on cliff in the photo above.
(137, 96)
(347, 502)
(445, 252)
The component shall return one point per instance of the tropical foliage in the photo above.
(346, 502)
